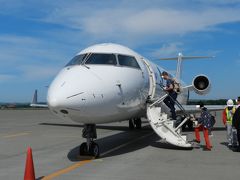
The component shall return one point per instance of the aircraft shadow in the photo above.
(219, 129)
(122, 143)
(125, 142)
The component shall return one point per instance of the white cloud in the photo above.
(219, 2)
(168, 50)
(129, 20)
(121, 22)
(32, 72)
(29, 58)
(24, 49)
(6, 77)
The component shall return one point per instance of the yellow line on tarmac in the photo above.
(66, 170)
(83, 162)
(17, 135)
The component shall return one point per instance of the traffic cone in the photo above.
(29, 168)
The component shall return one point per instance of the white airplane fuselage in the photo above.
(102, 93)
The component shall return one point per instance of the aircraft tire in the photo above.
(83, 149)
(138, 123)
(190, 125)
(131, 124)
(94, 150)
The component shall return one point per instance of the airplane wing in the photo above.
(39, 105)
(188, 57)
(191, 109)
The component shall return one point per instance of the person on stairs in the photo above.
(172, 95)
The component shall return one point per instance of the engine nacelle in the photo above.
(201, 84)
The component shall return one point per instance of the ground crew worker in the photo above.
(202, 127)
(227, 116)
(172, 95)
(237, 104)
(236, 122)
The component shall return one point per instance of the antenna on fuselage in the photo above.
(180, 58)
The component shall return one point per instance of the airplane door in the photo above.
(152, 79)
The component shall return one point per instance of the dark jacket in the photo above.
(205, 118)
(236, 118)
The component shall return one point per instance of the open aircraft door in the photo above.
(159, 121)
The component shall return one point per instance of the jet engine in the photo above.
(201, 84)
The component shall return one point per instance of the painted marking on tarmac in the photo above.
(83, 162)
(17, 135)
(66, 170)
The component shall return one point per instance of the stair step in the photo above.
(164, 127)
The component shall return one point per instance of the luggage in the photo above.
(207, 120)
(234, 137)
(176, 86)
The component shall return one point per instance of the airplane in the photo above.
(110, 83)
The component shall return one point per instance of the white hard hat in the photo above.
(230, 103)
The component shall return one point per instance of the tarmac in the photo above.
(125, 154)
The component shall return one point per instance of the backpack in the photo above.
(213, 120)
(207, 120)
(176, 86)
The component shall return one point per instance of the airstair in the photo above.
(164, 127)
(159, 120)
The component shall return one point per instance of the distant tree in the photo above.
(208, 102)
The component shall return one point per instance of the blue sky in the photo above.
(37, 38)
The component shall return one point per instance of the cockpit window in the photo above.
(109, 59)
(77, 60)
(129, 61)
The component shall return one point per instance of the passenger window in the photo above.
(77, 60)
(109, 59)
(128, 61)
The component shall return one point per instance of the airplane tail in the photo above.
(180, 58)
(35, 97)
(35, 101)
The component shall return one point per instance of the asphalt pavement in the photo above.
(125, 154)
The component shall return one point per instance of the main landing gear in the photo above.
(89, 148)
(135, 123)
(188, 124)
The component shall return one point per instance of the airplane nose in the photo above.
(81, 95)
(67, 92)
(55, 102)
(52, 102)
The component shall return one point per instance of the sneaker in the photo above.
(206, 149)
(236, 149)
(196, 141)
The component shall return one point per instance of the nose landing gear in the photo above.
(89, 148)
(135, 123)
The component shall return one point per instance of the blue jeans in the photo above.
(170, 102)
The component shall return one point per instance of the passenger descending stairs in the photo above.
(159, 121)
